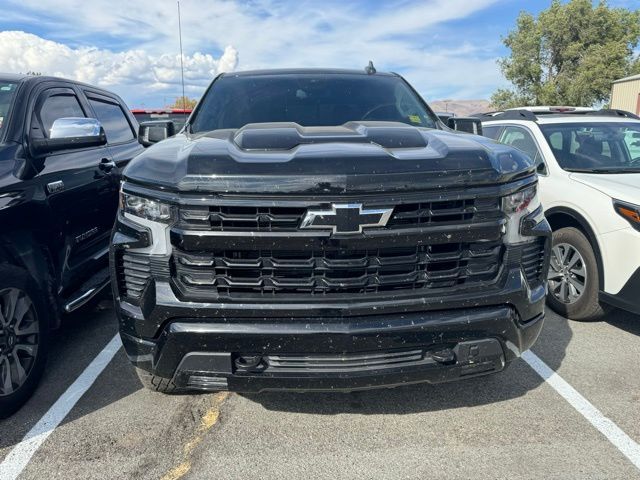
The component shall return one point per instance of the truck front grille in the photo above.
(240, 218)
(334, 271)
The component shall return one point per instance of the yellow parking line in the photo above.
(208, 420)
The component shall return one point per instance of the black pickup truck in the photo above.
(323, 230)
(62, 147)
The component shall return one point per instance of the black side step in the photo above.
(88, 290)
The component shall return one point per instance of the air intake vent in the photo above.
(134, 272)
(533, 262)
(342, 363)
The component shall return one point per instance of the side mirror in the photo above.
(155, 131)
(70, 133)
(466, 124)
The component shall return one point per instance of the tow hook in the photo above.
(250, 363)
(445, 355)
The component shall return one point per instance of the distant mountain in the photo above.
(462, 108)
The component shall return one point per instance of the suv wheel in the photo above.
(23, 338)
(573, 276)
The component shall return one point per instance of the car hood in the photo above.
(623, 186)
(355, 157)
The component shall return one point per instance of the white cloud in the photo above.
(121, 71)
(408, 36)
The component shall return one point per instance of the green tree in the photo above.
(184, 102)
(569, 54)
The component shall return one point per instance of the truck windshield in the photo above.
(309, 100)
(598, 147)
(7, 91)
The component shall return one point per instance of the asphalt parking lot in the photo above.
(513, 424)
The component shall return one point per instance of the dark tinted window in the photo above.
(59, 106)
(309, 100)
(491, 131)
(113, 120)
(7, 90)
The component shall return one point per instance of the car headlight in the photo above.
(145, 207)
(628, 211)
(517, 206)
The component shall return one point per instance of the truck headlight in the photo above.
(517, 206)
(145, 208)
(628, 211)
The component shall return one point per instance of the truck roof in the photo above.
(13, 77)
(304, 71)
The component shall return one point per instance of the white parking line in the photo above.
(614, 434)
(19, 457)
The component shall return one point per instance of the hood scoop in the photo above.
(287, 136)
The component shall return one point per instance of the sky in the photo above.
(447, 49)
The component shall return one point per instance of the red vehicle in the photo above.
(177, 115)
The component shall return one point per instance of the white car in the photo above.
(589, 170)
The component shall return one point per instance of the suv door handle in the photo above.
(106, 165)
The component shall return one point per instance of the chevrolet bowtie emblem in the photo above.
(346, 218)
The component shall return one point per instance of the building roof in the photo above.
(627, 79)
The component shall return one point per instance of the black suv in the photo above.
(323, 230)
(62, 147)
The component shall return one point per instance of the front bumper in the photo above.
(364, 352)
(627, 298)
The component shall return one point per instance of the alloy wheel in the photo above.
(568, 273)
(19, 334)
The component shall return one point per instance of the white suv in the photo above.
(589, 169)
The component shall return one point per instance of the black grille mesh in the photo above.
(229, 272)
(288, 218)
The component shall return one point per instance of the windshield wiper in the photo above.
(604, 170)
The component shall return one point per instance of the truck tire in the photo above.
(574, 284)
(155, 383)
(24, 337)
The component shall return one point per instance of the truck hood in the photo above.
(622, 186)
(355, 157)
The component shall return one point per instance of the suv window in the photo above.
(521, 139)
(595, 146)
(632, 142)
(59, 106)
(113, 120)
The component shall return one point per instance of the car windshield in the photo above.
(598, 147)
(7, 91)
(309, 100)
